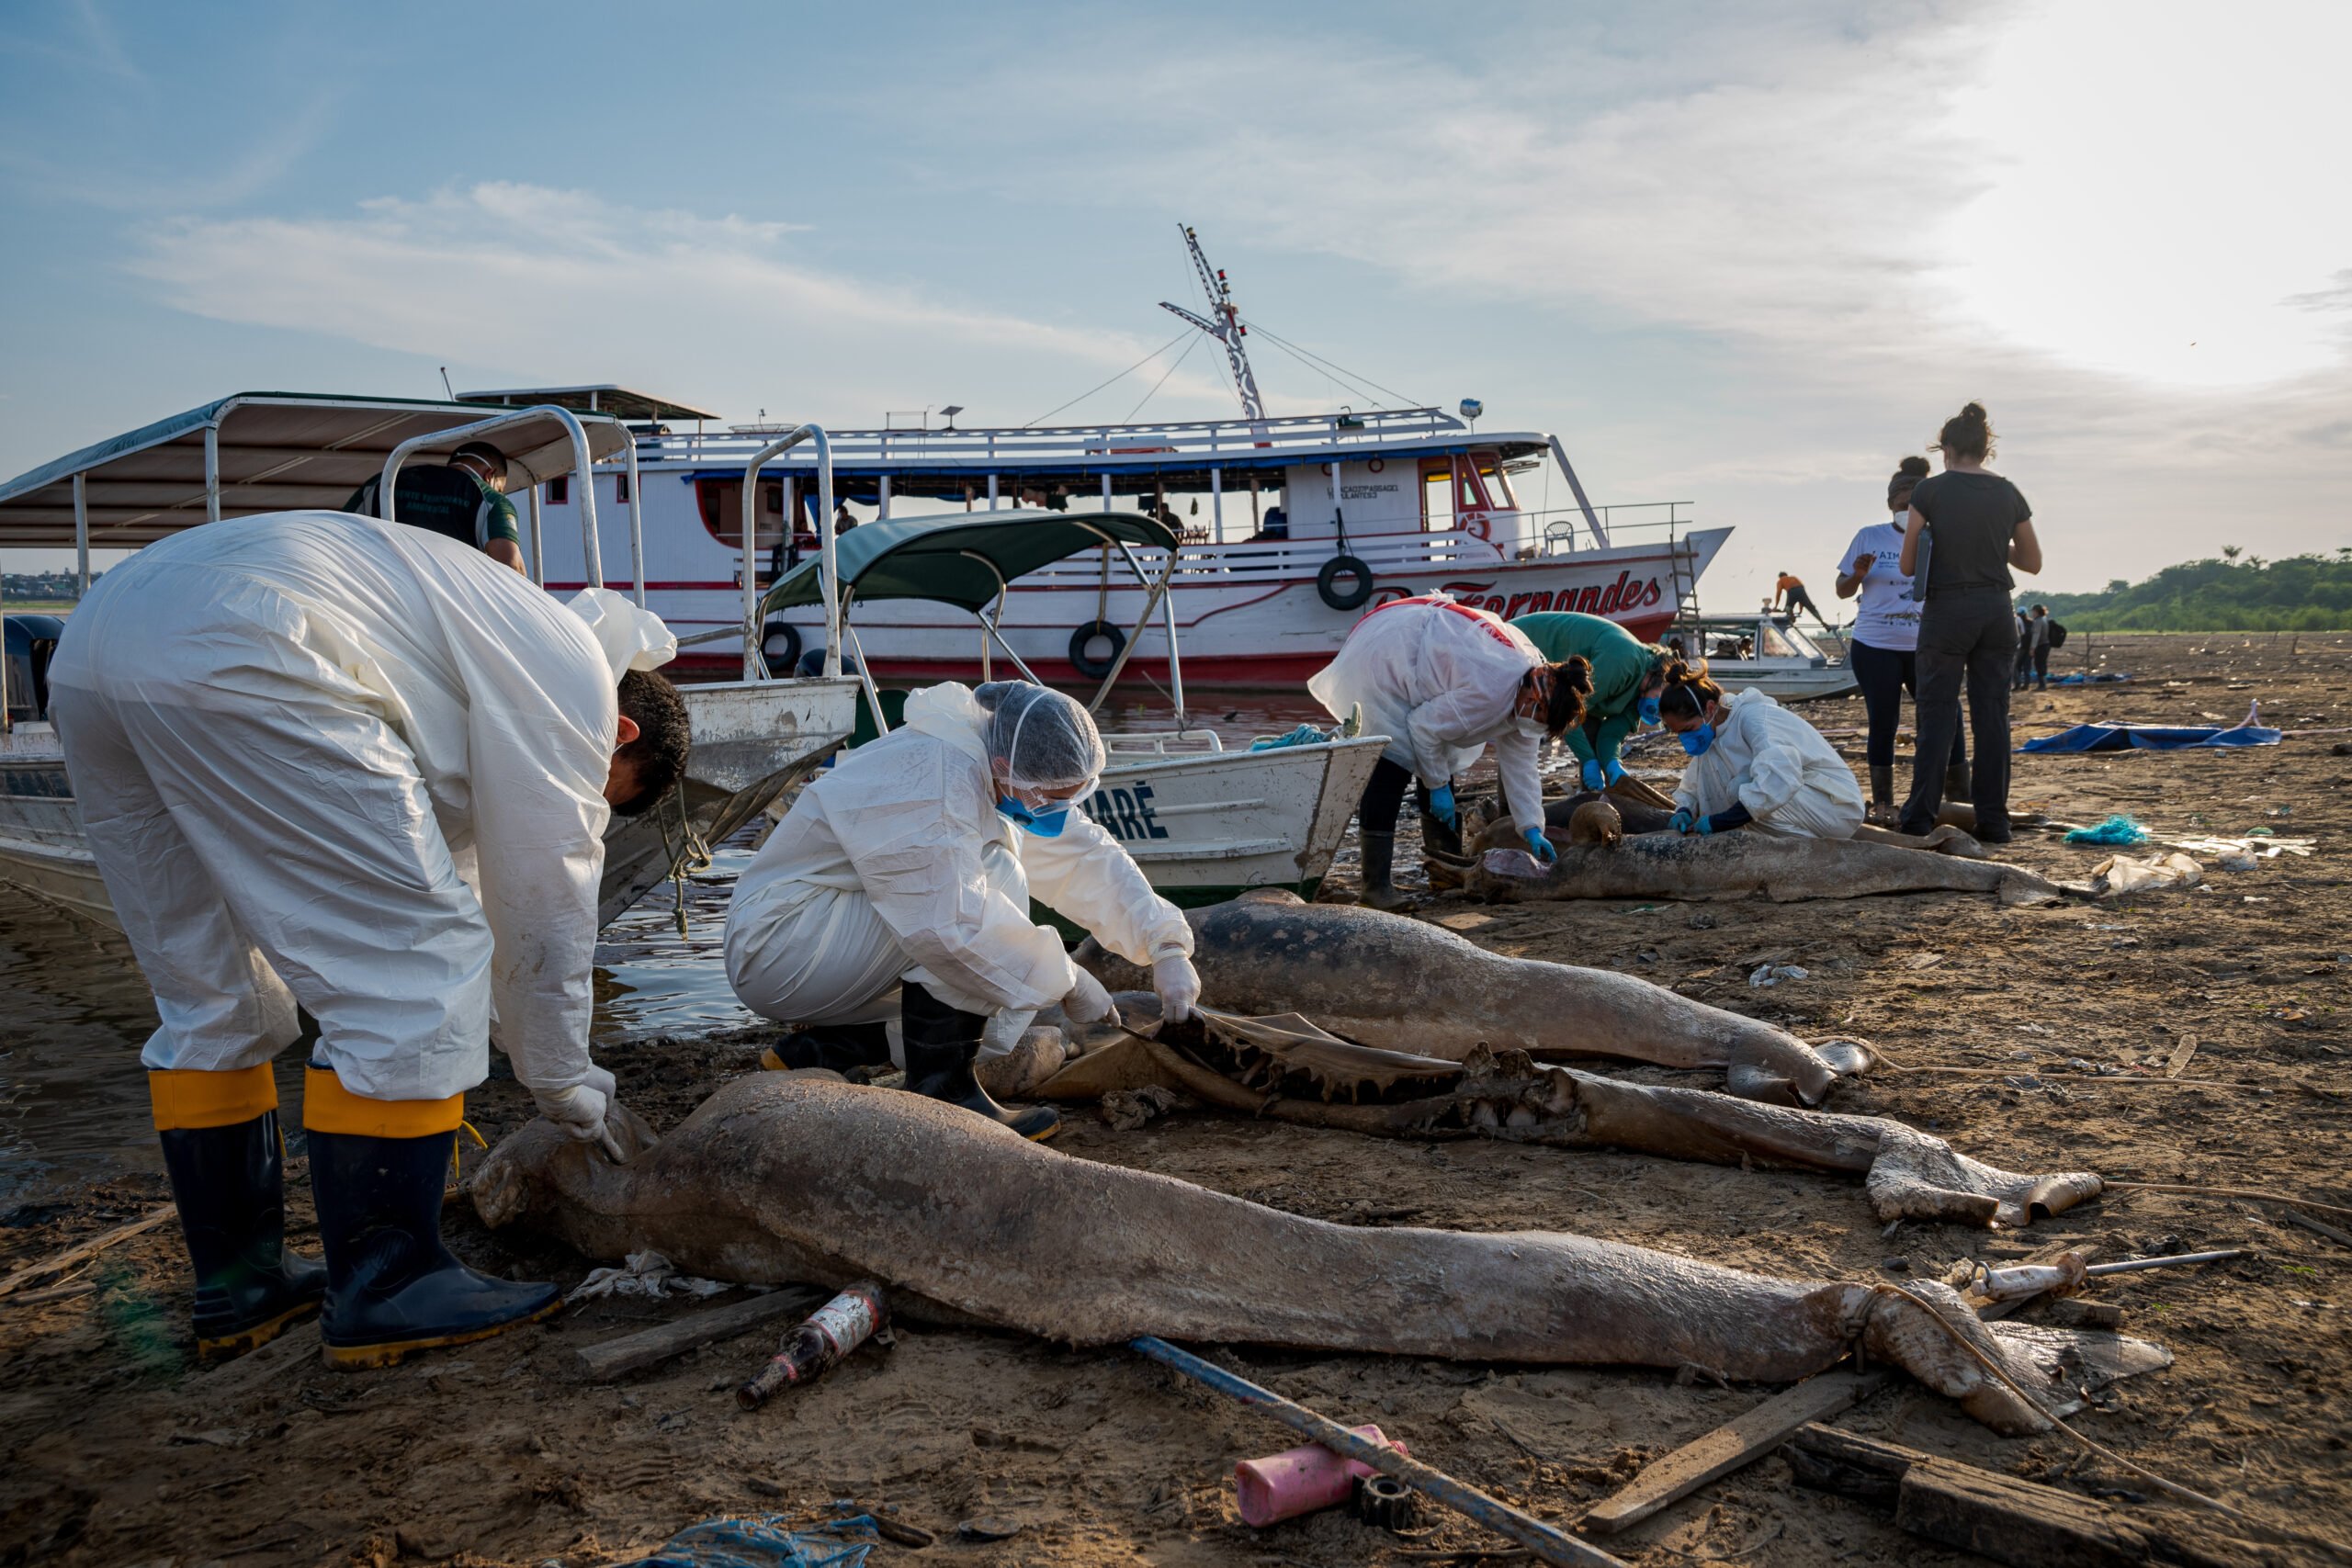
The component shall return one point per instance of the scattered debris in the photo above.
(1129, 1109)
(832, 1331)
(644, 1273)
(1732, 1446)
(650, 1346)
(1773, 973)
(1303, 1479)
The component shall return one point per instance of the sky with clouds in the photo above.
(1740, 256)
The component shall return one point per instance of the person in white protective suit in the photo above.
(1754, 765)
(1442, 681)
(899, 884)
(331, 760)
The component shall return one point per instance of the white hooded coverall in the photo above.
(1767, 759)
(1440, 680)
(284, 732)
(896, 865)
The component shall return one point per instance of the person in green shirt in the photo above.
(1627, 676)
(464, 499)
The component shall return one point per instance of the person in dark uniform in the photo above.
(463, 499)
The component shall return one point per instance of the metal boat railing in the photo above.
(754, 662)
(1087, 443)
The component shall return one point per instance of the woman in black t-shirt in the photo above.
(1968, 527)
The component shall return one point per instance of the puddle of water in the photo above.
(73, 1097)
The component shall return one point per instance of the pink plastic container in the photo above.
(1298, 1481)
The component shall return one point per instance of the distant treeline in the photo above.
(45, 585)
(2234, 592)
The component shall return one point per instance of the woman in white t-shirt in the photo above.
(1886, 638)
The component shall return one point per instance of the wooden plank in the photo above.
(2179, 1057)
(2015, 1521)
(1731, 1445)
(650, 1346)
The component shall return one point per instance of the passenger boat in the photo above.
(1205, 824)
(1290, 526)
(259, 452)
(1764, 652)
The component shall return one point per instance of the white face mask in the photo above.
(1531, 727)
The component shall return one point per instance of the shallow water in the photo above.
(73, 1097)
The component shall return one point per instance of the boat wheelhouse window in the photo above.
(560, 490)
(620, 490)
(720, 504)
(1774, 643)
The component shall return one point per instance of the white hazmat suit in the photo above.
(897, 865)
(1769, 761)
(1440, 680)
(328, 759)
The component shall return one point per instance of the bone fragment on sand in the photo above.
(1404, 985)
(775, 1179)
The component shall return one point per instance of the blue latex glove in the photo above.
(1541, 847)
(1612, 770)
(1706, 826)
(1683, 821)
(1595, 775)
(1441, 807)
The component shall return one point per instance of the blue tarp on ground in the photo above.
(765, 1540)
(2150, 738)
(2101, 679)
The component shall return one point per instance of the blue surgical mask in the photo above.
(1043, 824)
(1696, 741)
(1647, 708)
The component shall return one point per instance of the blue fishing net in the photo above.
(2121, 832)
(765, 1540)
(1304, 735)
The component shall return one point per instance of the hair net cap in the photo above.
(631, 638)
(1047, 740)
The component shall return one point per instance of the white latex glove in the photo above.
(580, 1110)
(1088, 1002)
(1179, 985)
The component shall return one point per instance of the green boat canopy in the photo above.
(964, 558)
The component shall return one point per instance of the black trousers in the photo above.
(1885, 674)
(2042, 665)
(1967, 639)
(1384, 795)
(1800, 600)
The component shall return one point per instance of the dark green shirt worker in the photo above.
(1625, 670)
(463, 500)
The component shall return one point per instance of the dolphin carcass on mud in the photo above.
(1403, 984)
(779, 1178)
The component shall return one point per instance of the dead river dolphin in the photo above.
(1404, 985)
(1742, 864)
(777, 1180)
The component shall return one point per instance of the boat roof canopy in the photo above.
(280, 452)
(959, 558)
(621, 403)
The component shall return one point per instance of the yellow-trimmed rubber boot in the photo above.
(377, 1169)
(227, 1163)
(837, 1046)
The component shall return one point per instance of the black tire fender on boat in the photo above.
(1340, 567)
(1091, 668)
(779, 648)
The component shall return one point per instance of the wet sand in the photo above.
(119, 1450)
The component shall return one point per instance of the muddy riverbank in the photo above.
(120, 1450)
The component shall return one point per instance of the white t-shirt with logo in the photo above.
(1887, 616)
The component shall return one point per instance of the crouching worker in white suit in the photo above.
(900, 883)
(283, 732)
(1754, 765)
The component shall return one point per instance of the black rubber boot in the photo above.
(1883, 785)
(839, 1046)
(1380, 891)
(230, 1184)
(392, 1288)
(942, 1045)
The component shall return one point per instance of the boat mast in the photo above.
(1226, 328)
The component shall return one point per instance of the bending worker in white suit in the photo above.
(899, 884)
(1754, 765)
(1441, 680)
(284, 733)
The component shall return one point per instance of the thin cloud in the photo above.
(564, 285)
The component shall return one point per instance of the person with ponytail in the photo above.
(1883, 647)
(1443, 680)
(1968, 527)
(1754, 765)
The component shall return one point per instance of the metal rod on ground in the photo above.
(1548, 1543)
(2133, 1265)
